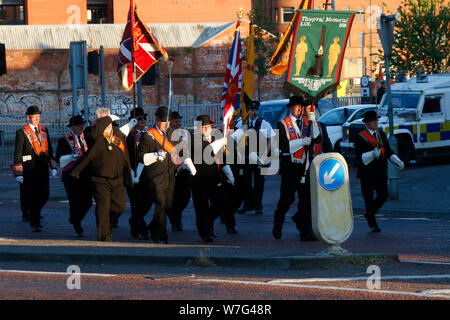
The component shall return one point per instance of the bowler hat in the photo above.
(161, 113)
(298, 100)
(136, 112)
(370, 115)
(176, 115)
(76, 120)
(32, 110)
(205, 119)
(254, 105)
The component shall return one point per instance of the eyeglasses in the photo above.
(141, 118)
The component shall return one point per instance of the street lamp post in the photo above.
(386, 33)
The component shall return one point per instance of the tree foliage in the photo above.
(422, 38)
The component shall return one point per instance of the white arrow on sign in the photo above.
(328, 177)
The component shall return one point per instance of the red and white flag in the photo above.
(232, 85)
(138, 45)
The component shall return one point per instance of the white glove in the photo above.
(311, 116)
(75, 156)
(114, 117)
(190, 165)
(376, 153)
(54, 173)
(137, 174)
(396, 160)
(19, 179)
(368, 157)
(66, 159)
(126, 128)
(150, 158)
(297, 144)
(229, 174)
(218, 144)
(161, 155)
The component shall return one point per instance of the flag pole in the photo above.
(169, 105)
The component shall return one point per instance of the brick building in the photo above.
(38, 33)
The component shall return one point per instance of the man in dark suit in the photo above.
(108, 165)
(372, 151)
(139, 195)
(158, 153)
(33, 154)
(71, 148)
(299, 142)
(207, 182)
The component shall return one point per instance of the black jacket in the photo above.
(160, 173)
(63, 148)
(99, 161)
(38, 165)
(132, 147)
(208, 174)
(378, 167)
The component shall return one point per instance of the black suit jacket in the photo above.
(132, 147)
(161, 173)
(63, 148)
(378, 167)
(38, 165)
(99, 161)
(208, 174)
(287, 167)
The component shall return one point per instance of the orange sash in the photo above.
(114, 140)
(292, 134)
(32, 137)
(371, 140)
(167, 145)
(71, 140)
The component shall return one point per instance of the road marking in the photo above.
(439, 276)
(437, 291)
(426, 262)
(403, 293)
(58, 273)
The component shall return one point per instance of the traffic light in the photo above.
(2, 59)
(93, 62)
(149, 78)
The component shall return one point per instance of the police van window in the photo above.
(432, 105)
(360, 114)
(403, 101)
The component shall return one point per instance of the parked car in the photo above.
(335, 119)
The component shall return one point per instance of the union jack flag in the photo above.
(138, 45)
(232, 85)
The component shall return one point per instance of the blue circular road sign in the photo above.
(331, 174)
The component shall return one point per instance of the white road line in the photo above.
(58, 273)
(437, 291)
(426, 262)
(439, 276)
(402, 293)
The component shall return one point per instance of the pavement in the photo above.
(415, 227)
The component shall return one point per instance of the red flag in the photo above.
(138, 45)
(232, 85)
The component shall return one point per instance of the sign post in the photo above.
(331, 204)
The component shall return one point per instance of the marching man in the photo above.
(32, 156)
(70, 149)
(299, 142)
(372, 152)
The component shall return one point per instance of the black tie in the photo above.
(299, 125)
(251, 123)
(37, 134)
(81, 144)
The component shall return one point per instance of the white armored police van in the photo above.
(421, 108)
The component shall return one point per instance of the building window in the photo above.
(276, 17)
(11, 14)
(361, 14)
(97, 14)
(288, 14)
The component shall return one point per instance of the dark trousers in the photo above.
(182, 195)
(254, 193)
(233, 198)
(109, 195)
(34, 194)
(368, 186)
(163, 199)
(140, 201)
(289, 186)
(207, 205)
(80, 198)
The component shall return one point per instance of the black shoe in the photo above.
(232, 230)
(164, 240)
(369, 220)
(142, 236)
(78, 229)
(35, 229)
(276, 233)
(375, 228)
(207, 239)
(308, 237)
(154, 236)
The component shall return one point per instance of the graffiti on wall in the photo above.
(11, 104)
(117, 103)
